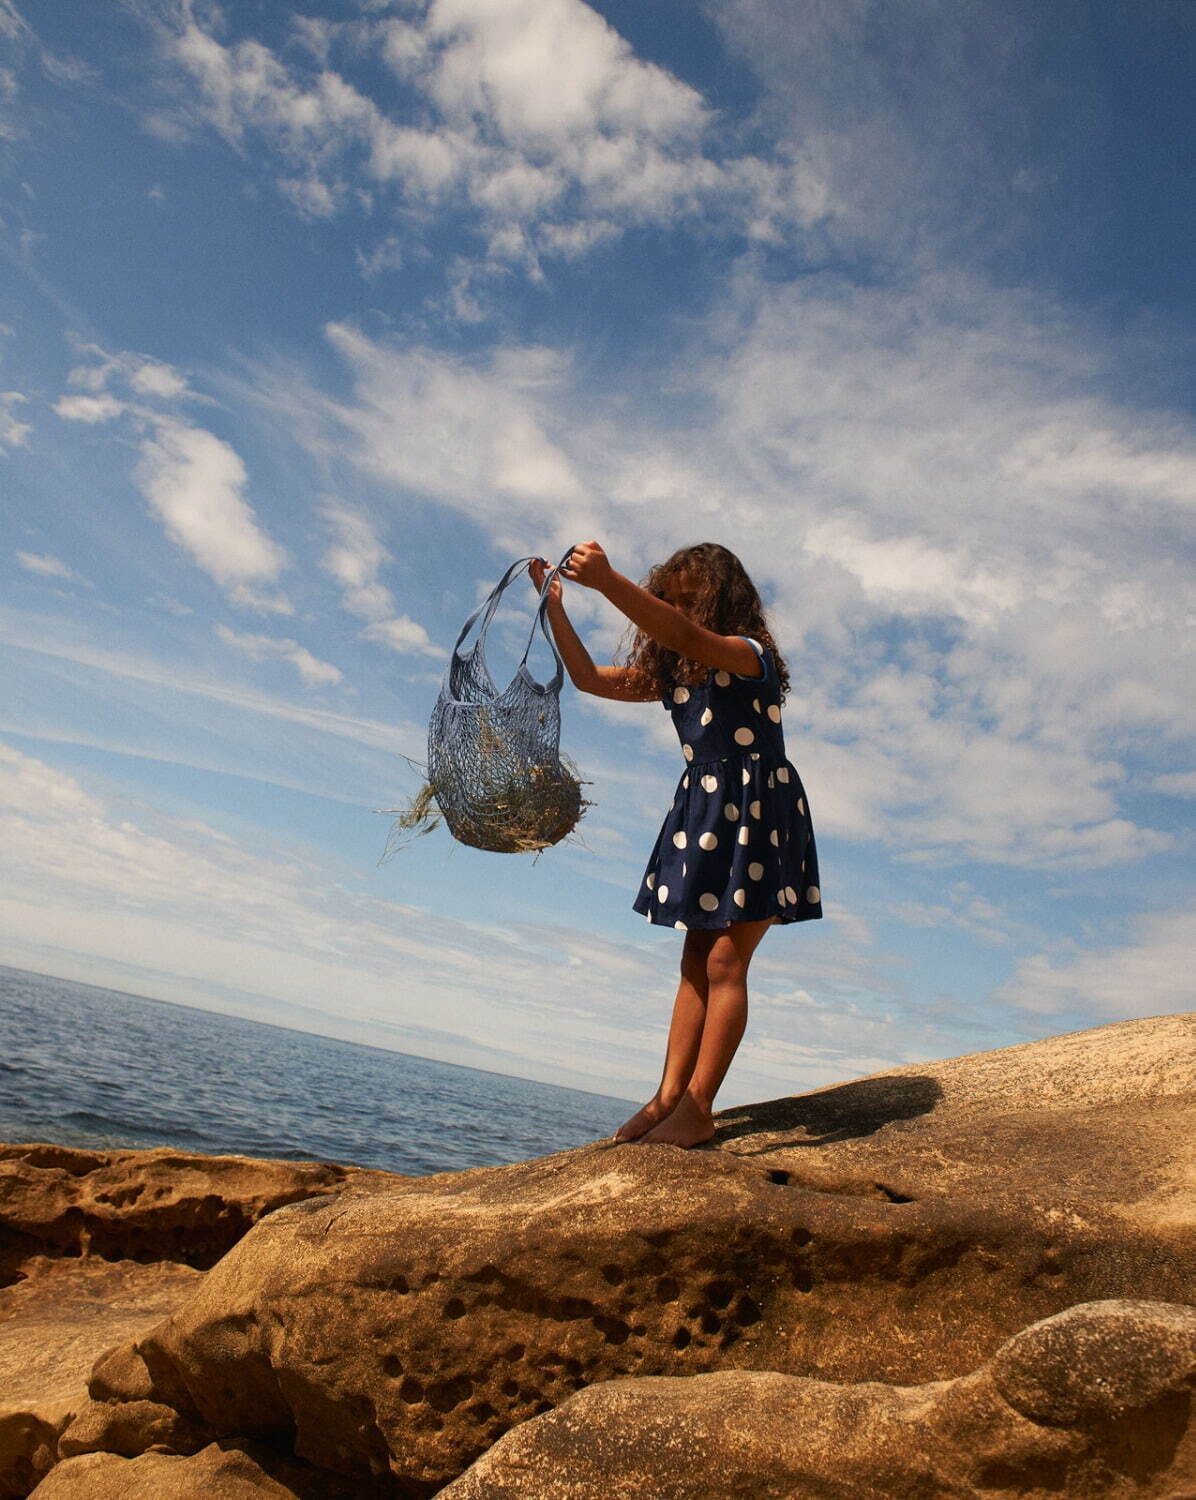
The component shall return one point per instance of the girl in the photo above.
(736, 850)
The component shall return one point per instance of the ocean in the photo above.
(84, 1066)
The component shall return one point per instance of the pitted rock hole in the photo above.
(719, 1293)
(454, 1308)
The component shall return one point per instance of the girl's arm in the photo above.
(668, 625)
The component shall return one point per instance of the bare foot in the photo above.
(652, 1113)
(688, 1125)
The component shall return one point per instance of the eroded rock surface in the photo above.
(1094, 1402)
(97, 1247)
(57, 1201)
(896, 1230)
(220, 1471)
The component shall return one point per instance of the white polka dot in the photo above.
(681, 695)
(781, 897)
(662, 893)
(740, 896)
(708, 840)
(722, 678)
(774, 713)
(754, 808)
(770, 780)
(801, 806)
(679, 839)
(744, 736)
(682, 926)
(687, 751)
(813, 895)
(774, 839)
(708, 901)
(710, 783)
(782, 773)
(747, 776)
(731, 811)
(756, 704)
(707, 715)
(651, 881)
(756, 870)
(791, 894)
(744, 834)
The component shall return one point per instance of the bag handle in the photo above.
(553, 685)
(491, 602)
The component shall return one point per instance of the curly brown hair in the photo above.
(722, 598)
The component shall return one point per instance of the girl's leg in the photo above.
(685, 1036)
(691, 1121)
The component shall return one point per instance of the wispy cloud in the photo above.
(13, 431)
(192, 480)
(354, 559)
(45, 565)
(1148, 975)
(315, 673)
(540, 122)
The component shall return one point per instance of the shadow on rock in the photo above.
(843, 1113)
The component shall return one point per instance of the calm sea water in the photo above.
(84, 1066)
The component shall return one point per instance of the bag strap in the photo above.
(491, 602)
(553, 685)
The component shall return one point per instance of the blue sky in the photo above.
(315, 317)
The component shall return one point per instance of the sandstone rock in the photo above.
(763, 1436)
(221, 1471)
(53, 1327)
(98, 1246)
(898, 1229)
(146, 1205)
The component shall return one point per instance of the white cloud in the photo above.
(144, 375)
(193, 480)
(315, 673)
(354, 560)
(90, 409)
(1176, 783)
(1148, 976)
(45, 564)
(454, 430)
(535, 115)
(13, 431)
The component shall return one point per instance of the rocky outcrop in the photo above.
(220, 1471)
(56, 1201)
(896, 1231)
(96, 1248)
(1093, 1402)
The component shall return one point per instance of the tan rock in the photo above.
(898, 1229)
(146, 1205)
(221, 1471)
(752, 1435)
(53, 1327)
(98, 1246)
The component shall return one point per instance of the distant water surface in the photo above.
(83, 1066)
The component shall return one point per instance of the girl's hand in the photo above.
(538, 568)
(589, 564)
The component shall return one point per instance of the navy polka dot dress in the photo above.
(738, 843)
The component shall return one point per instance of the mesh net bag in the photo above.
(494, 764)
